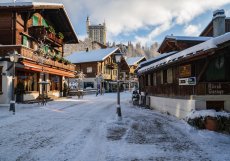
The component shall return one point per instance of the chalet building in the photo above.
(133, 63)
(37, 32)
(191, 72)
(99, 68)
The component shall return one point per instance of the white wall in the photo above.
(181, 107)
(177, 107)
(6, 85)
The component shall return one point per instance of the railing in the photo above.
(41, 32)
(28, 53)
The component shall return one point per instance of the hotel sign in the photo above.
(185, 71)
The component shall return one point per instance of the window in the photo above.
(149, 79)
(162, 76)
(115, 72)
(35, 20)
(169, 76)
(54, 82)
(154, 79)
(88, 85)
(29, 80)
(89, 70)
(216, 69)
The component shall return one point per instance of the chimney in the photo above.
(218, 22)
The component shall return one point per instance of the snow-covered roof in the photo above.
(210, 44)
(26, 4)
(134, 60)
(188, 38)
(157, 58)
(91, 56)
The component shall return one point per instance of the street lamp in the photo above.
(14, 59)
(118, 61)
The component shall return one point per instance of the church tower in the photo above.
(96, 32)
(87, 25)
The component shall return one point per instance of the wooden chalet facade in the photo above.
(196, 77)
(99, 68)
(29, 29)
(133, 63)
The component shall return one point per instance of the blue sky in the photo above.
(145, 21)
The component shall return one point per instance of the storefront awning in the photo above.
(40, 68)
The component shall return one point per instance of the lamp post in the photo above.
(14, 59)
(118, 61)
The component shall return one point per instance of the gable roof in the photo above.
(190, 40)
(56, 11)
(155, 59)
(91, 56)
(210, 44)
(134, 60)
(208, 30)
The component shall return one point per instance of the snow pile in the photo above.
(201, 119)
(205, 113)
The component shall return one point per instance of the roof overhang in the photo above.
(56, 12)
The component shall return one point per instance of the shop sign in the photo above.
(185, 71)
(187, 81)
(215, 89)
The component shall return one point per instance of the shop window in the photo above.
(29, 80)
(88, 85)
(35, 20)
(89, 70)
(55, 82)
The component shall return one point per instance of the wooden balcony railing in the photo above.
(28, 53)
(41, 32)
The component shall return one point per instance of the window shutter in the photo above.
(25, 41)
(35, 21)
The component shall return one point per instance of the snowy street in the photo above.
(87, 130)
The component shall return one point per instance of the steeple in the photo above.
(87, 24)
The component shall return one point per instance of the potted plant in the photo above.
(211, 123)
(60, 35)
(20, 91)
(61, 60)
(51, 32)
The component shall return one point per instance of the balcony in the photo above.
(41, 32)
(111, 66)
(28, 54)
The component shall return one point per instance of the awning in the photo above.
(40, 68)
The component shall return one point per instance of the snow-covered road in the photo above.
(87, 130)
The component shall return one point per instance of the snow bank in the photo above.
(205, 113)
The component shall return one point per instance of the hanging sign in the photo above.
(185, 71)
